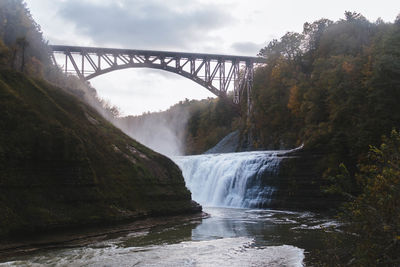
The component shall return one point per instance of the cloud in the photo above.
(247, 48)
(150, 24)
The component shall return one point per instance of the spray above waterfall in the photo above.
(162, 131)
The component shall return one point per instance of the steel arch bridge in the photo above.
(217, 73)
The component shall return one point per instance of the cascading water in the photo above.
(232, 179)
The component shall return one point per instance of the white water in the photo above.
(218, 252)
(232, 179)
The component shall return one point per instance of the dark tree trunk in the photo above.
(23, 57)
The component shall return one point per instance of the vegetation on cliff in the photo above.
(371, 219)
(375, 213)
(22, 46)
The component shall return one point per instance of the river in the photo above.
(235, 233)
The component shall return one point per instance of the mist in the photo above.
(163, 132)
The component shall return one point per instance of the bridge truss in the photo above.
(217, 73)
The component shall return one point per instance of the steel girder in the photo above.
(217, 73)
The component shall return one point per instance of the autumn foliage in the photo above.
(375, 213)
(334, 87)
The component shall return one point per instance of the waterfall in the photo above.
(242, 180)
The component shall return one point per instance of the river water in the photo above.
(234, 234)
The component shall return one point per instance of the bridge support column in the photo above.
(250, 76)
(249, 122)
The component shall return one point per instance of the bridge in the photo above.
(217, 73)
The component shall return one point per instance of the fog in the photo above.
(162, 132)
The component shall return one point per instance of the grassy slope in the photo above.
(61, 164)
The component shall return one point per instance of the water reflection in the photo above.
(229, 237)
(266, 227)
(162, 235)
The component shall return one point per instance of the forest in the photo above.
(335, 88)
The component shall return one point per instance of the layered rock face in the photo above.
(299, 184)
(63, 165)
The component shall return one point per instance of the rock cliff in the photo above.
(63, 165)
(300, 184)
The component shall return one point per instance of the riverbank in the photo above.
(72, 238)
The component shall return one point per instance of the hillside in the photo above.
(63, 165)
(334, 88)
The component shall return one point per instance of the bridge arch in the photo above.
(217, 73)
(185, 74)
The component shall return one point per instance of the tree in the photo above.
(4, 54)
(289, 46)
(313, 32)
(22, 43)
(21, 34)
(374, 215)
(353, 16)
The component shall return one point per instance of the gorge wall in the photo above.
(300, 183)
(63, 165)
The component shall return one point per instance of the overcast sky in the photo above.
(210, 26)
